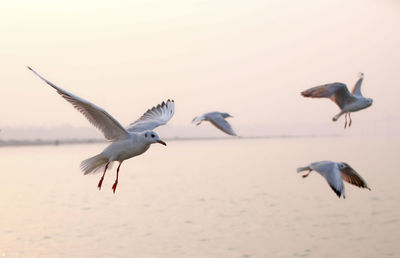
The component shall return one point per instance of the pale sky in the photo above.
(249, 58)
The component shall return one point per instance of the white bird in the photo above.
(218, 120)
(335, 173)
(125, 142)
(338, 93)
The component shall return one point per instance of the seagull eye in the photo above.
(152, 136)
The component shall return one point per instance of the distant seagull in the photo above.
(338, 93)
(125, 142)
(218, 120)
(335, 173)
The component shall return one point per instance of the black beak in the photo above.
(161, 142)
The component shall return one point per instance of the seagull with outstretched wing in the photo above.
(125, 142)
(335, 173)
(347, 101)
(218, 120)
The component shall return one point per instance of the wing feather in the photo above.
(97, 116)
(154, 117)
(351, 176)
(357, 87)
(336, 91)
(222, 124)
(331, 173)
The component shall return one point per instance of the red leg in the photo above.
(116, 180)
(102, 177)
(306, 175)
(350, 120)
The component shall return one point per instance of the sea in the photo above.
(230, 197)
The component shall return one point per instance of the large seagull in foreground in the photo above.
(338, 93)
(125, 142)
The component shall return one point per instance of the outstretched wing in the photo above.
(351, 176)
(331, 173)
(222, 124)
(357, 87)
(153, 117)
(336, 91)
(97, 116)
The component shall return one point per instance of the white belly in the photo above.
(121, 150)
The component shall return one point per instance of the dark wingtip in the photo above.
(29, 67)
(337, 192)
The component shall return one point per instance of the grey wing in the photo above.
(97, 116)
(351, 176)
(357, 87)
(222, 124)
(332, 175)
(336, 91)
(153, 117)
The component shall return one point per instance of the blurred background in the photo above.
(251, 59)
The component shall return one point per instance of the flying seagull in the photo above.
(335, 173)
(338, 93)
(125, 142)
(218, 120)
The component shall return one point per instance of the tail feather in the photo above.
(198, 120)
(93, 164)
(302, 169)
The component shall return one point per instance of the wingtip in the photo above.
(337, 192)
(29, 67)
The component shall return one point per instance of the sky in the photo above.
(249, 58)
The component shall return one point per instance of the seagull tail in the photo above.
(94, 163)
(302, 169)
(198, 120)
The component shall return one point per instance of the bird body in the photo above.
(134, 145)
(338, 92)
(335, 173)
(121, 150)
(218, 120)
(125, 142)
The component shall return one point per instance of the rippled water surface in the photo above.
(214, 198)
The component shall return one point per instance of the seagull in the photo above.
(218, 120)
(335, 173)
(125, 142)
(338, 93)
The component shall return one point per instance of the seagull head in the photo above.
(152, 137)
(225, 115)
(369, 101)
(343, 165)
